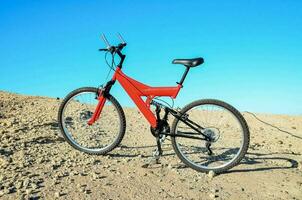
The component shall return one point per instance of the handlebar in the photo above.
(115, 49)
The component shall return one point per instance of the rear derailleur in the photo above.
(213, 134)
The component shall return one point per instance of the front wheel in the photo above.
(104, 134)
(227, 136)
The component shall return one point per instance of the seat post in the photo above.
(183, 76)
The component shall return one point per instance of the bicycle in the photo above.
(92, 120)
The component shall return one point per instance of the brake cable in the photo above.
(165, 102)
(110, 66)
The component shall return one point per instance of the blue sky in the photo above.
(252, 49)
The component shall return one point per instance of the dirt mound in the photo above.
(35, 162)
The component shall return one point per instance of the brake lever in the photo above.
(111, 49)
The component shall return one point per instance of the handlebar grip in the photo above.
(103, 49)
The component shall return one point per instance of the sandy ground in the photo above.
(36, 163)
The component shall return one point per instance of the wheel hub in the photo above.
(212, 133)
(85, 115)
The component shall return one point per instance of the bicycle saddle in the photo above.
(189, 62)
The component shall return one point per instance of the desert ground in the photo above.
(37, 163)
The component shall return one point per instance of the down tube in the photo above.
(133, 93)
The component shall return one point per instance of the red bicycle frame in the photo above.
(136, 91)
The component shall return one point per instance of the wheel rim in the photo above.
(229, 137)
(90, 138)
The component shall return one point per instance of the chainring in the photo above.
(163, 128)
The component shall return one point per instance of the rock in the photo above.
(21, 196)
(82, 189)
(4, 161)
(95, 176)
(83, 174)
(96, 162)
(8, 184)
(300, 164)
(211, 174)
(40, 160)
(34, 186)
(7, 190)
(19, 184)
(28, 191)
(171, 194)
(26, 182)
(7, 123)
(58, 194)
(87, 191)
(108, 183)
(2, 177)
(214, 190)
(81, 185)
(212, 196)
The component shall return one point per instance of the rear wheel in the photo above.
(223, 124)
(104, 134)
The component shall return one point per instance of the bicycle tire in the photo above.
(117, 106)
(238, 116)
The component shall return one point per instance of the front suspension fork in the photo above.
(98, 110)
(102, 94)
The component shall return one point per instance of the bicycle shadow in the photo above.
(125, 151)
(50, 139)
(260, 159)
(44, 140)
(257, 162)
(52, 125)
